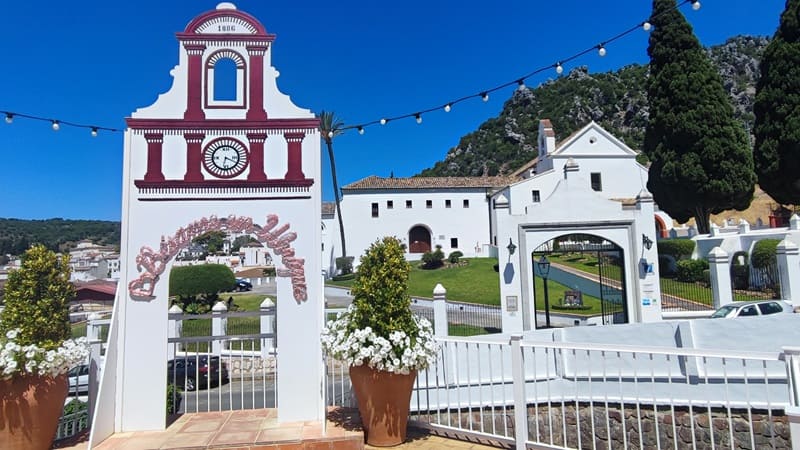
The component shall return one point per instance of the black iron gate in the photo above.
(600, 274)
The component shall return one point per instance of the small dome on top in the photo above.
(226, 5)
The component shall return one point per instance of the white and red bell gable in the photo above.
(257, 140)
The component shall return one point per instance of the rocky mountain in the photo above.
(616, 100)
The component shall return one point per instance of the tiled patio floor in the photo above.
(259, 430)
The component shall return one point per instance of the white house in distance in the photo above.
(457, 212)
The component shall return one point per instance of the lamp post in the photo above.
(544, 270)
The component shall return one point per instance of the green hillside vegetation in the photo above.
(60, 235)
(616, 100)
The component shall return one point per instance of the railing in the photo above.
(684, 296)
(463, 319)
(223, 360)
(568, 395)
(750, 283)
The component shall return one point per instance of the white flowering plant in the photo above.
(398, 352)
(16, 359)
(34, 325)
(379, 329)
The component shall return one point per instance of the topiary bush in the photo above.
(200, 285)
(764, 253)
(691, 270)
(434, 259)
(455, 256)
(677, 248)
(37, 297)
(740, 271)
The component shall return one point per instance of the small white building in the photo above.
(423, 212)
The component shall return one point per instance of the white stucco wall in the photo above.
(470, 226)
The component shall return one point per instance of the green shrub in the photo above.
(199, 285)
(349, 276)
(764, 253)
(434, 259)
(691, 270)
(268, 272)
(740, 271)
(344, 265)
(75, 406)
(677, 248)
(454, 257)
(36, 299)
(174, 398)
(666, 266)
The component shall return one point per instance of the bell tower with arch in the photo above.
(222, 149)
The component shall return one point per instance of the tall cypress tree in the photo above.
(777, 110)
(701, 160)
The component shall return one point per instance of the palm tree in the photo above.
(330, 126)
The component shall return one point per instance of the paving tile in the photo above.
(317, 445)
(204, 425)
(249, 424)
(234, 437)
(348, 444)
(281, 434)
(189, 440)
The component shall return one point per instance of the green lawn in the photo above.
(586, 262)
(555, 292)
(477, 282)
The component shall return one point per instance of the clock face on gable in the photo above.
(225, 157)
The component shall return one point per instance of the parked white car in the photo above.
(753, 308)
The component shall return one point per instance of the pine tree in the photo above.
(777, 111)
(701, 160)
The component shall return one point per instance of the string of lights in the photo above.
(558, 66)
(56, 124)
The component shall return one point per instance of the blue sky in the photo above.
(94, 62)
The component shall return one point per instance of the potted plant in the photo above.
(382, 341)
(35, 350)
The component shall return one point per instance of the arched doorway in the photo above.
(419, 240)
(661, 227)
(579, 276)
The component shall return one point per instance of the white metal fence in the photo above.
(568, 395)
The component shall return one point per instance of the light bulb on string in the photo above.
(695, 5)
(418, 117)
(360, 130)
(330, 134)
(646, 26)
(485, 96)
(383, 121)
(9, 117)
(601, 50)
(559, 68)
(56, 126)
(94, 131)
(447, 107)
(521, 83)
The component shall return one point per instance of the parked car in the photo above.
(78, 378)
(242, 285)
(196, 372)
(753, 308)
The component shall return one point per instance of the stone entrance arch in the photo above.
(419, 239)
(583, 274)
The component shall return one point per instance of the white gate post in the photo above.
(218, 326)
(720, 270)
(789, 257)
(268, 314)
(440, 311)
(95, 355)
(792, 357)
(520, 405)
(174, 328)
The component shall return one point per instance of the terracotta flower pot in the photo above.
(383, 402)
(30, 407)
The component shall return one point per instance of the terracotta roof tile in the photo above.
(374, 182)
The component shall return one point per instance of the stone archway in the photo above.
(419, 239)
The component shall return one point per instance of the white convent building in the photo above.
(457, 213)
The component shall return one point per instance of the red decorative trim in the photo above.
(256, 106)
(256, 157)
(295, 160)
(243, 184)
(154, 152)
(194, 157)
(221, 124)
(194, 109)
(209, 90)
(206, 199)
(278, 239)
(198, 21)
